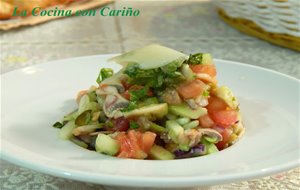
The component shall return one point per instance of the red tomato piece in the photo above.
(148, 139)
(225, 117)
(125, 84)
(226, 136)
(206, 69)
(135, 144)
(191, 89)
(124, 142)
(126, 95)
(215, 104)
(206, 121)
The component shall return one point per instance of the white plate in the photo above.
(35, 97)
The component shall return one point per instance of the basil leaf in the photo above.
(136, 95)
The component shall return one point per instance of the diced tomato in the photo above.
(135, 139)
(226, 136)
(191, 89)
(126, 95)
(225, 117)
(148, 139)
(206, 69)
(215, 104)
(124, 142)
(135, 144)
(206, 121)
(125, 84)
(219, 112)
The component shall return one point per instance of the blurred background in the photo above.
(189, 26)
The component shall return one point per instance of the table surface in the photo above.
(189, 26)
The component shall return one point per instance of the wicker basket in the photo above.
(276, 21)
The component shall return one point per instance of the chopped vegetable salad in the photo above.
(161, 105)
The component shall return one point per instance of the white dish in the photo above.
(35, 97)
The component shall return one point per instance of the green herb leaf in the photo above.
(171, 67)
(104, 73)
(133, 125)
(154, 78)
(195, 59)
(136, 95)
(131, 69)
(58, 125)
(131, 106)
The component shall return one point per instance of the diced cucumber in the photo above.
(211, 139)
(159, 153)
(79, 142)
(94, 106)
(184, 110)
(151, 56)
(156, 110)
(83, 103)
(174, 130)
(86, 129)
(183, 120)
(71, 116)
(171, 116)
(191, 124)
(106, 145)
(156, 128)
(92, 96)
(211, 148)
(187, 72)
(176, 133)
(66, 131)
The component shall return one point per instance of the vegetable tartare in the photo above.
(161, 105)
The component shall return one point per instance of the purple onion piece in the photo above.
(197, 150)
